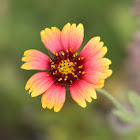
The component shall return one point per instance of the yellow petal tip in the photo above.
(43, 106)
(42, 32)
(109, 62)
(68, 23)
(26, 88)
(56, 109)
(22, 67)
(97, 38)
(80, 24)
(32, 95)
(90, 101)
(83, 105)
(109, 73)
(25, 53)
(95, 97)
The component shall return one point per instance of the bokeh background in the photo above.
(22, 117)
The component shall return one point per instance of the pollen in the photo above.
(66, 67)
(59, 79)
(62, 53)
(80, 66)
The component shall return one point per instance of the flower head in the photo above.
(83, 73)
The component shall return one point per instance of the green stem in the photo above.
(111, 98)
(129, 117)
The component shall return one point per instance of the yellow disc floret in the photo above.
(66, 67)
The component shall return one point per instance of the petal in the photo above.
(34, 66)
(72, 36)
(39, 83)
(35, 60)
(60, 99)
(101, 53)
(108, 72)
(48, 98)
(42, 87)
(95, 77)
(34, 78)
(36, 53)
(97, 64)
(54, 97)
(93, 49)
(87, 89)
(51, 39)
(82, 91)
(77, 96)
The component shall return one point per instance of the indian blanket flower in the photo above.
(83, 73)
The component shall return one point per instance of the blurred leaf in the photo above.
(124, 116)
(127, 116)
(135, 101)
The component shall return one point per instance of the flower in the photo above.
(83, 73)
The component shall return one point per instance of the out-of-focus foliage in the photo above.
(22, 117)
(131, 115)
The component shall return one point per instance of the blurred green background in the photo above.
(22, 117)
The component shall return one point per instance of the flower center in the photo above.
(66, 67)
